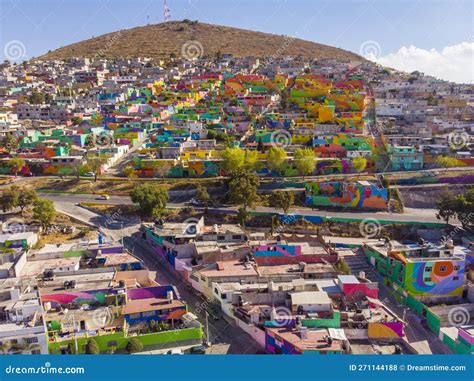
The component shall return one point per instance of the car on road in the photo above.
(89, 174)
(175, 351)
(194, 202)
(214, 312)
(198, 350)
(103, 197)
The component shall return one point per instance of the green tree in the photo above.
(16, 164)
(36, 97)
(9, 198)
(93, 162)
(235, 159)
(129, 172)
(449, 162)
(282, 200)
(134, 345)
(202, 195)
(75, 120)
(465, 209)
(342, 266)
(44, 211)
(26, 198)
(10, 143)
(242, 216)
(358, 164)
(243, 188)
(305, 161)
(92, 348)
(277, 159)
(446, 206)
(63, 172)
(150, 199)
(90, 141)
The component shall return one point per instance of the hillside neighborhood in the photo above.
(213, 204)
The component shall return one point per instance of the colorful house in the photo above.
(425, 272)
(361, 194)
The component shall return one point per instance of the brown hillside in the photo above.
(161, 40)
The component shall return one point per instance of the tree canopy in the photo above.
(150, 199)
(305, 161)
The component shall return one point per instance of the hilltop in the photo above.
(162, 40)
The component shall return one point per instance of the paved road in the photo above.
(410, 215)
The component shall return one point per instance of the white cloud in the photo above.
(453, 63)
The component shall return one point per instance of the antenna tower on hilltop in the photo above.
(166, 11)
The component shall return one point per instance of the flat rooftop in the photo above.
(294, 269)
(34, 268)
(314, 342)
(310, 297)
(150, 304)
(229, 268)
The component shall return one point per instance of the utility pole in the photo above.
(208, 339)
(75, 337)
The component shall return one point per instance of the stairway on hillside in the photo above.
(358, 262)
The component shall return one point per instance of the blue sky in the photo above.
(41, 25)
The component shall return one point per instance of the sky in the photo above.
(433, 36)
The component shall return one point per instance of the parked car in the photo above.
(103, 197)
(89, 174)
(214, 312)
(175, 351)
(198, 350)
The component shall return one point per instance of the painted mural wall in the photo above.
(347, 195)
(435, 278)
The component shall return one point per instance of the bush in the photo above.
(343, 267)
(92, 348)
(134, 345)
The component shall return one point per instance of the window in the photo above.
(237, 237)
(427, 279)
(148, 313)
(455, 278)
(134, 316)
(112, 343)
(442, 269)
(35, 352)
(31, 340)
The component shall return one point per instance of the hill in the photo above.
(195, 39)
